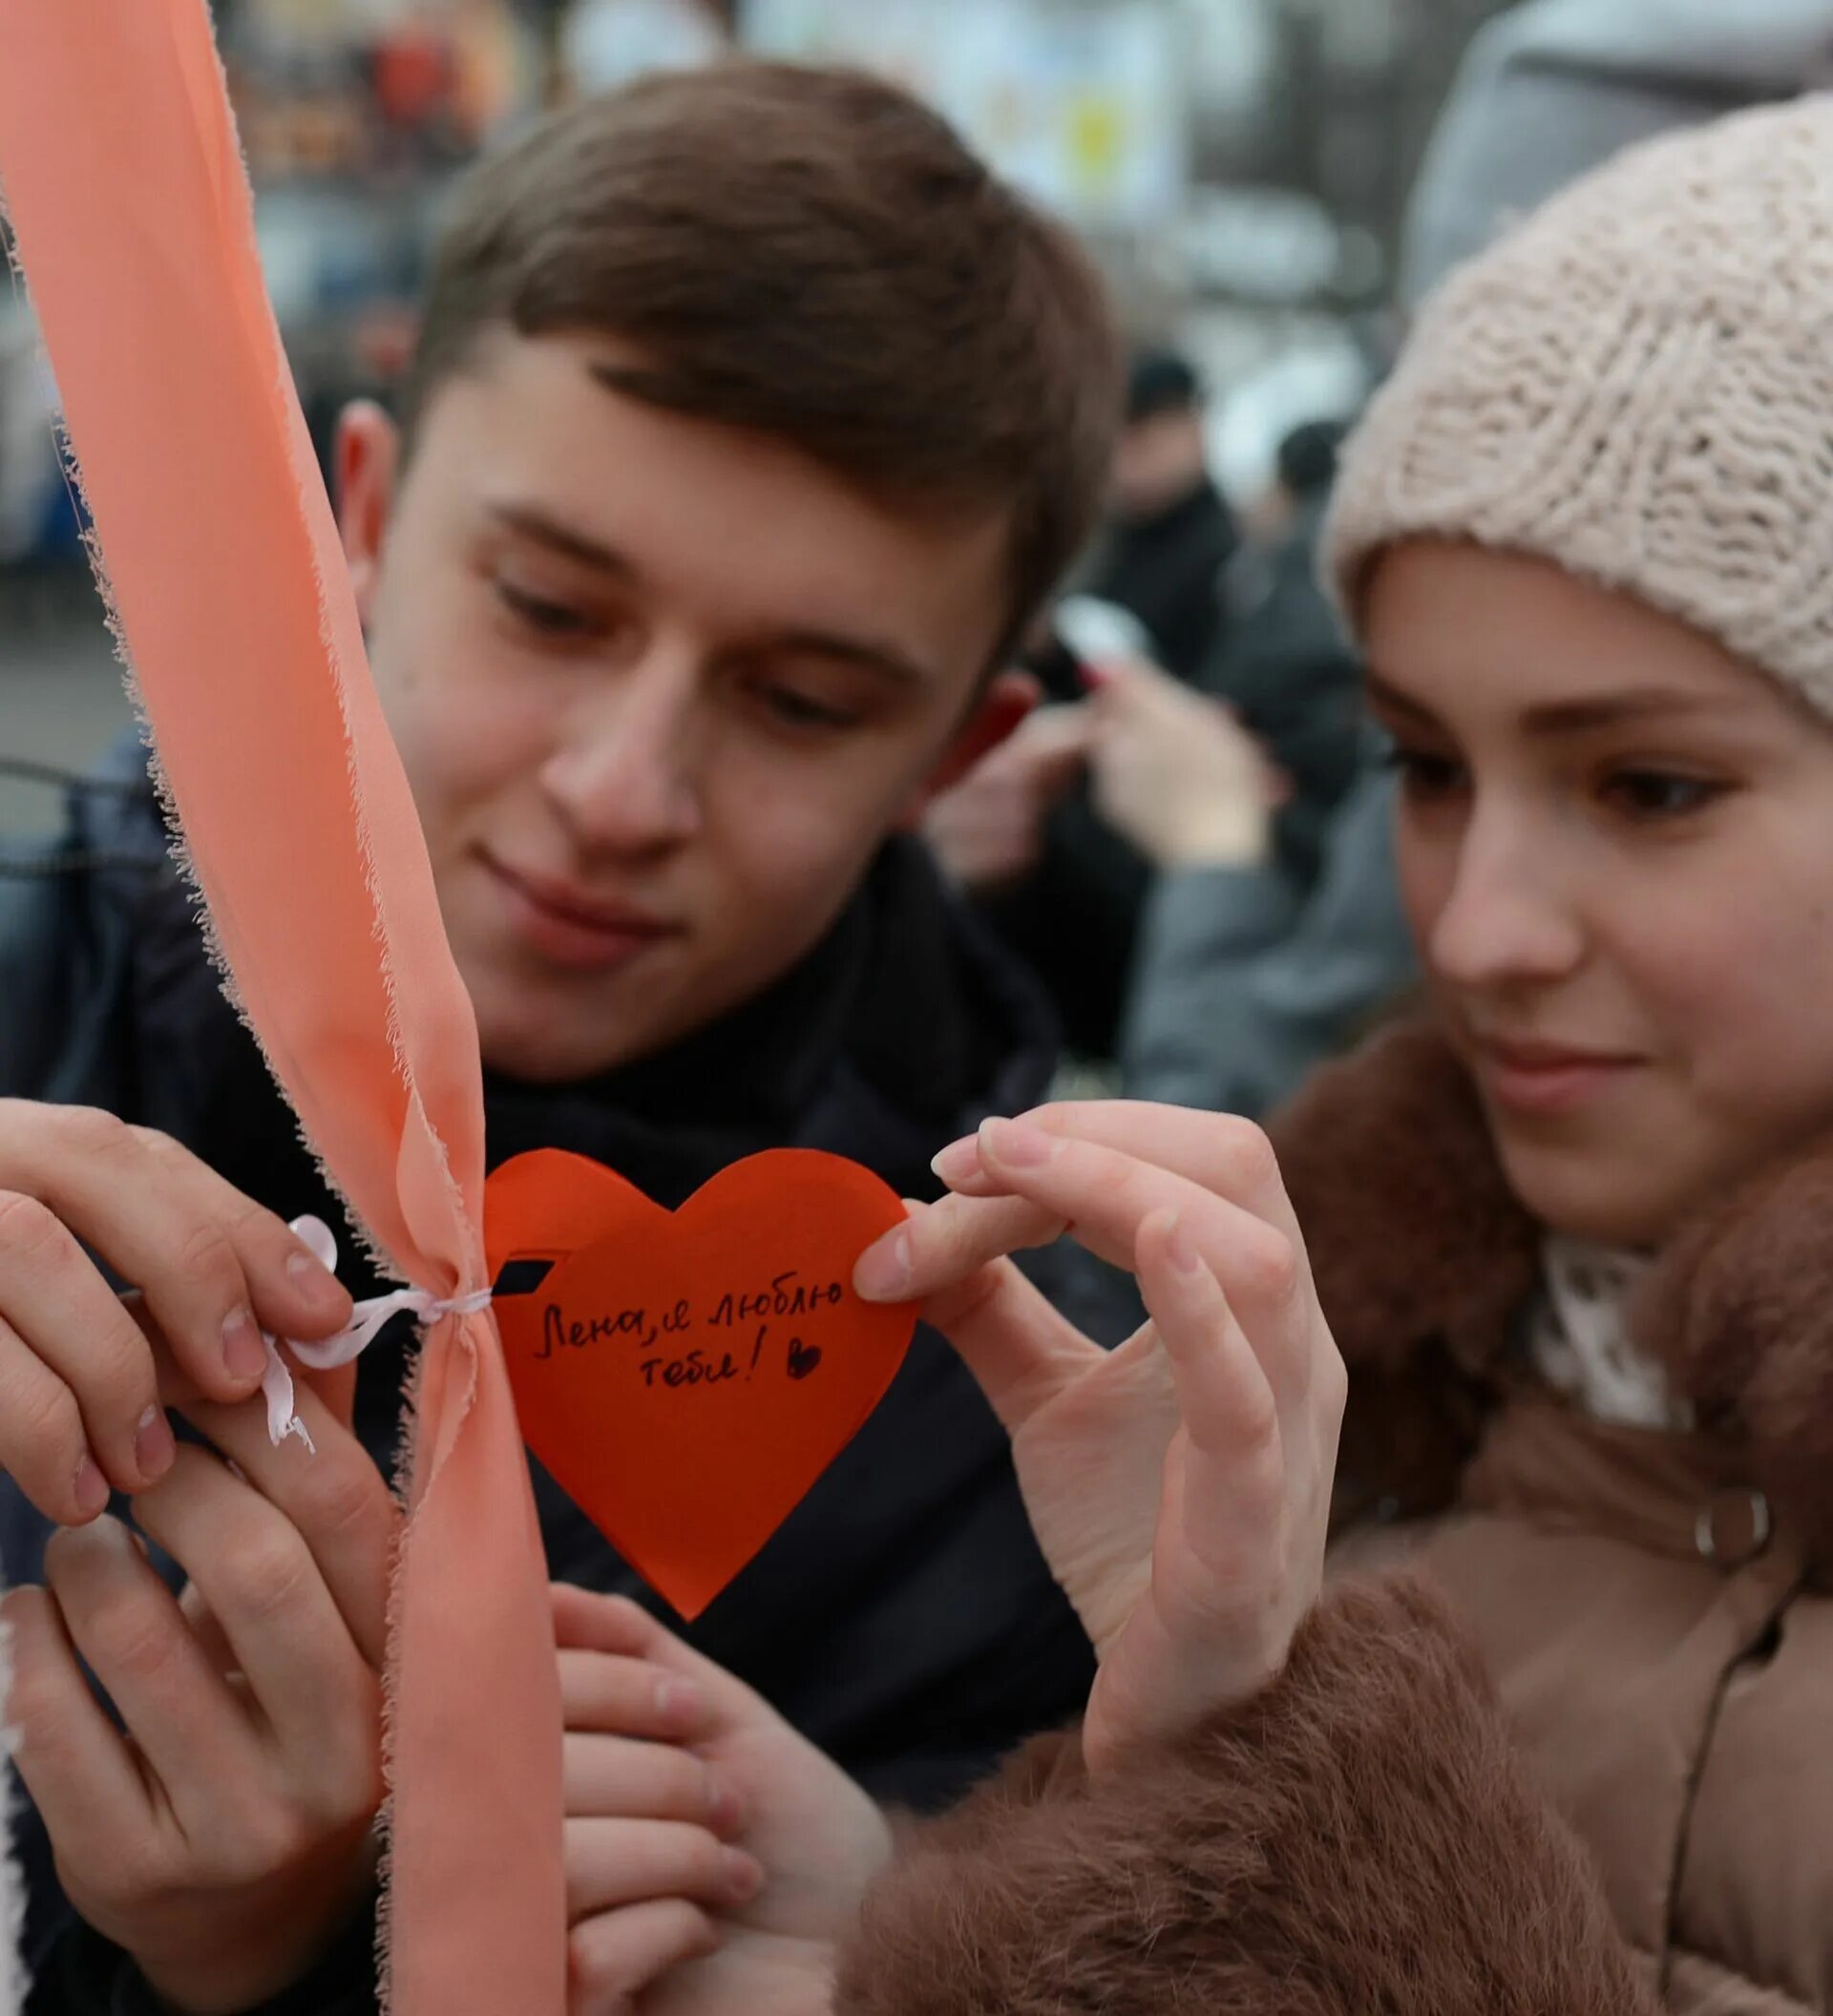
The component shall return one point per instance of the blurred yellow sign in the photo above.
(1086, 107)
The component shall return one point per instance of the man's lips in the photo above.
(1541, 1078)
(572, 927)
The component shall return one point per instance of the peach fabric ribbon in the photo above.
(134, 222)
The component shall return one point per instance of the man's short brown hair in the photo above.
(812, 255)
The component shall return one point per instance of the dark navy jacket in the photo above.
(902, 1618)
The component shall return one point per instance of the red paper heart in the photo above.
(685, 1377)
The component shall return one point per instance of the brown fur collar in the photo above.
(1418, 1246)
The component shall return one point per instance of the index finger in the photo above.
(942, 1245)
(1109, 1194)
(214, 1265)
(1222, 1153)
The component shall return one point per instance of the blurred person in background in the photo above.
(1169, 533)
(1273, 935)
(1246, 976)
(1553, 88)
(1213, 937)
(1284, 667)
(1021, 835)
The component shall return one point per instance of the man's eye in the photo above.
(1425, 775)
(547, 618)
(1661, 794)
(798, 711)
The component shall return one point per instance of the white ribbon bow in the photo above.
(352, 1341)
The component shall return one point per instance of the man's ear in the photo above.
(367, 463)
(1009, 698)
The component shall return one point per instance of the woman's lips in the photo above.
(1548, 1079)
(569, 928)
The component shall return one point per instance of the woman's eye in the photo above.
(546, 619)
(1661, 794)
(1424, 774)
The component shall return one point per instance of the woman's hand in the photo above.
(1179, 1487)
(714, 1857)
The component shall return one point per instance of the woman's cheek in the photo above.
(1428, 867)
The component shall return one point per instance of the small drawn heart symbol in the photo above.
(664, 1364)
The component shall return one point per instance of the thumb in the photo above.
(1020, 1352)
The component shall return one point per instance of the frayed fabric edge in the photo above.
(364, 1239)
(12, 1887)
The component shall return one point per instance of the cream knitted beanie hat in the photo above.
(1635, 383)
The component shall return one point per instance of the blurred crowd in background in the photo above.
(1242, 166)
(1188, 840)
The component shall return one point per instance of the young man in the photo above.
(751, 421)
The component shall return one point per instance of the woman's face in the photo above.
(1616, 850)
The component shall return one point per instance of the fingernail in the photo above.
(744, 1874)
(1017, 1145)
(680, 1702)
(242, 1352)
(884, 1271)
(307, 1271)
(1180, 1249)
(960, 1161)
(152, 1445)
(91, 1488)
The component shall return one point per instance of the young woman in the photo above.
(1571, 1234)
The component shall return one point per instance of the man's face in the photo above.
(661, 688)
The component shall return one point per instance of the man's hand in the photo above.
(1178, 774)
(988, 830)
(714, 1857)
(1180, 1486)
(79, 1391)
(225, 1837)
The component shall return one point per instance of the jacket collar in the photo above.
(1417, 1242)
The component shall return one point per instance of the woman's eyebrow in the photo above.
(1390, 699)
(1605, 710)
(1575, 716)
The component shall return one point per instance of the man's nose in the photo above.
(625, 777)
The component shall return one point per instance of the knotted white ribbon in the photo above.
(366, 1323)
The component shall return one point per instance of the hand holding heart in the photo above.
(714, 1858)
(1179, 1487)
